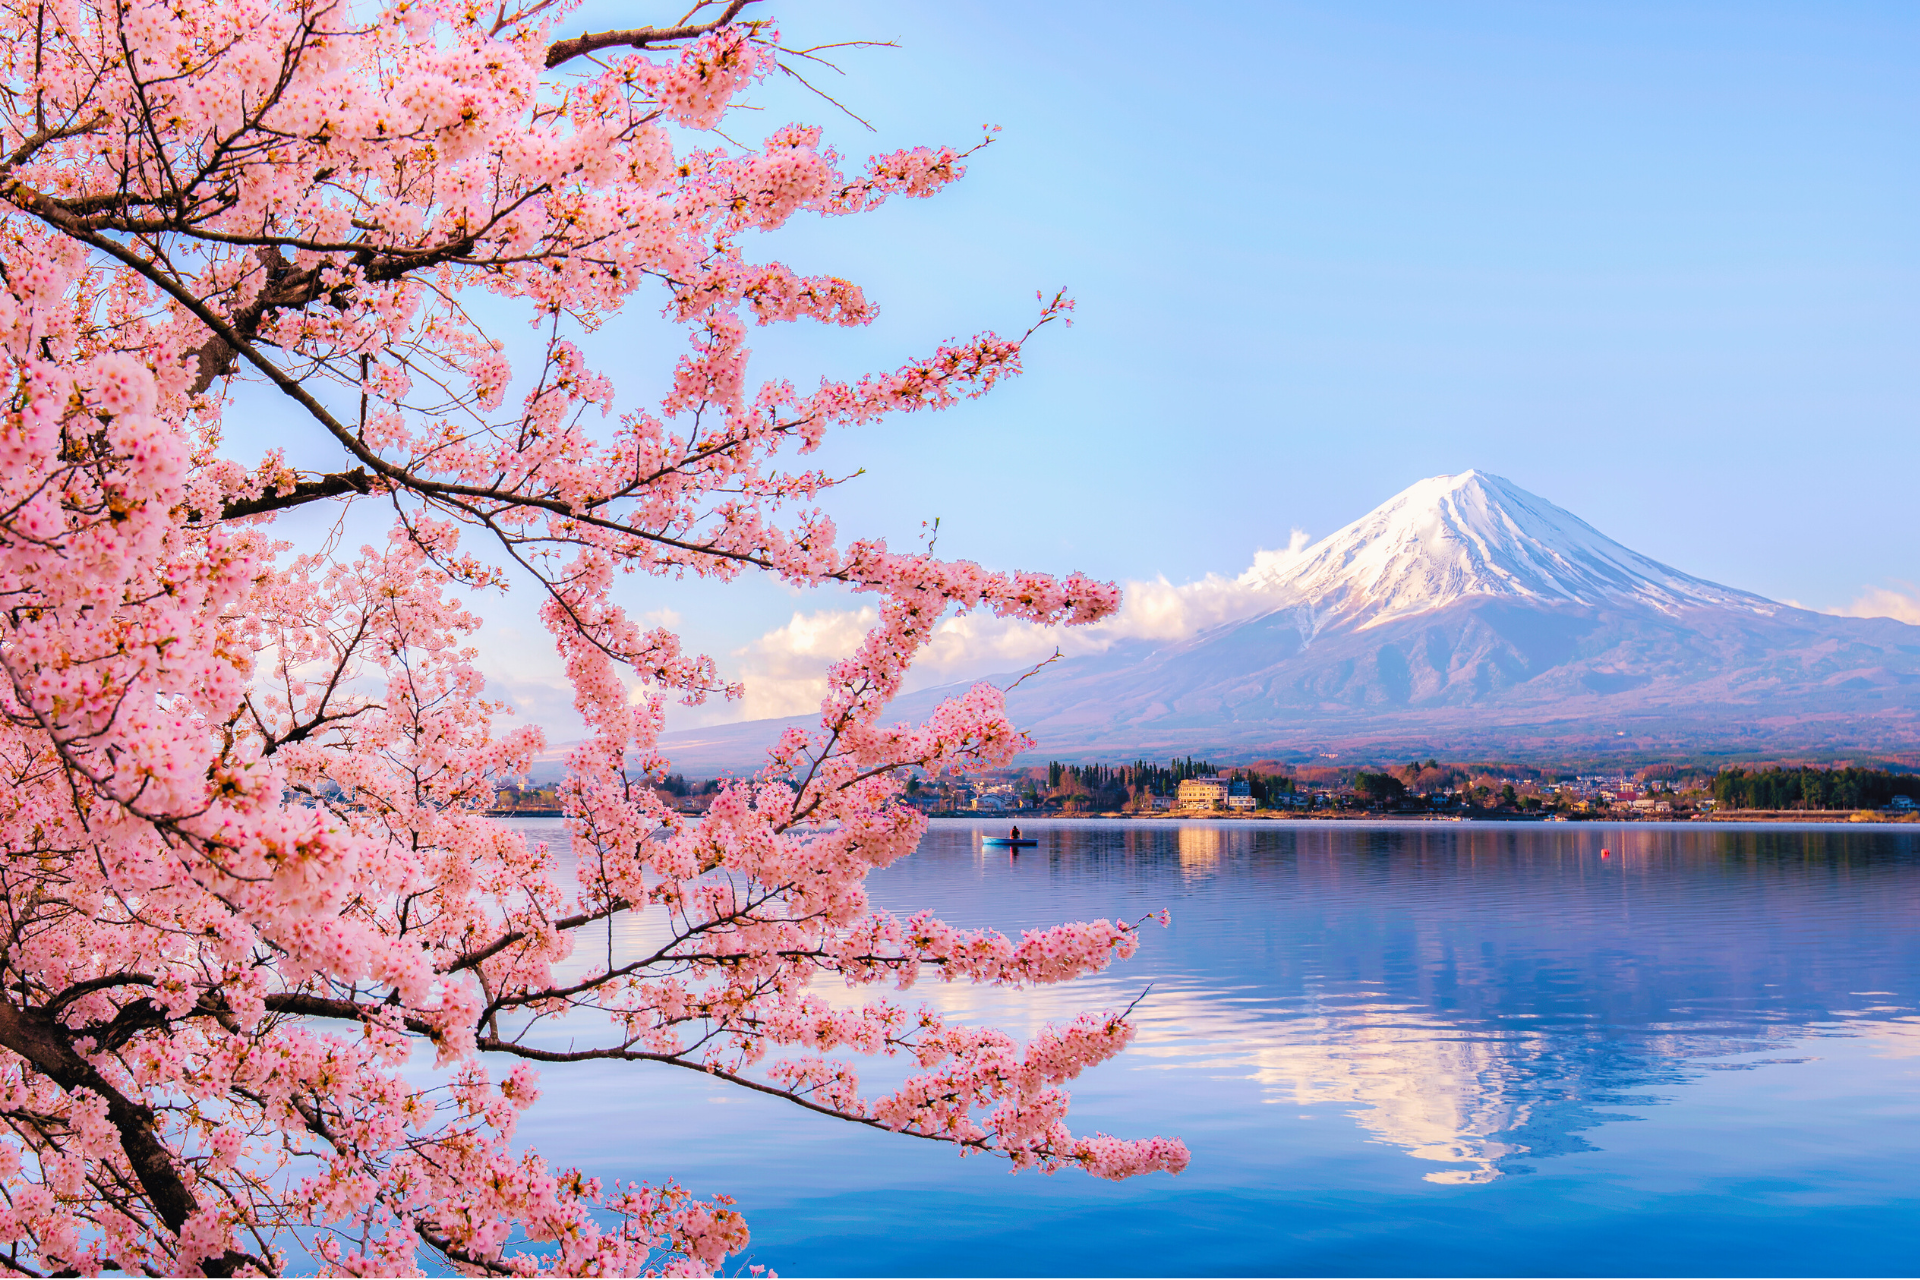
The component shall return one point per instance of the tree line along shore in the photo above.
(1266, 790)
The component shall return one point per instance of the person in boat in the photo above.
(1014, 834)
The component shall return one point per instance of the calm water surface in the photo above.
(1425, 1049)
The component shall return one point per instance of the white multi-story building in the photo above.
(1203, 793)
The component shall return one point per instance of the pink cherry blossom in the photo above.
(248, 869)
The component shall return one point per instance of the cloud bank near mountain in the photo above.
(1886, 602)
(784, 670)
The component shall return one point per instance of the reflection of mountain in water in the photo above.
(1480, 998)
(1476, 1097)
(1417, 1083)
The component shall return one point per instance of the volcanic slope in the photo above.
(1466, 615)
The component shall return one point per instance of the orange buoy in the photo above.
(1603, 853)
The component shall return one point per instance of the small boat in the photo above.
(1008, 842)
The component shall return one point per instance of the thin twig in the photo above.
(1036, 669)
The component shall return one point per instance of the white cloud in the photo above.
(1158, 610)
(1886, 602)
(785, 670)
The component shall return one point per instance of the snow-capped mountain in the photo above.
(1450, 538)
(1468, 616)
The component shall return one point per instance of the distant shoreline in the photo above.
(1839, 816)
(1829, 816)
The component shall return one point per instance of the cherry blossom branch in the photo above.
(642, 37)
(243, 793)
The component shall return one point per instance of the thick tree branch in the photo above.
(43, 1042)
(436, 1240)
(311, 1006)
(32, 144)
(471, 958)
(285, 289)
(327, 486)
(639, 37)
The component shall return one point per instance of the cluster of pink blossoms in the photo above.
(247, 868)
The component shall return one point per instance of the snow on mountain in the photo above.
(1452, 537)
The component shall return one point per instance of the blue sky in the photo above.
(1654, 262)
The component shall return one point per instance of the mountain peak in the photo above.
(1448, 538)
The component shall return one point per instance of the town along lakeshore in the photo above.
(1189, 789)
(1487, 791)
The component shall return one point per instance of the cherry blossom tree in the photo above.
(271, 973)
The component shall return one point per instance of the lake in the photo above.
(1418, 1049)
